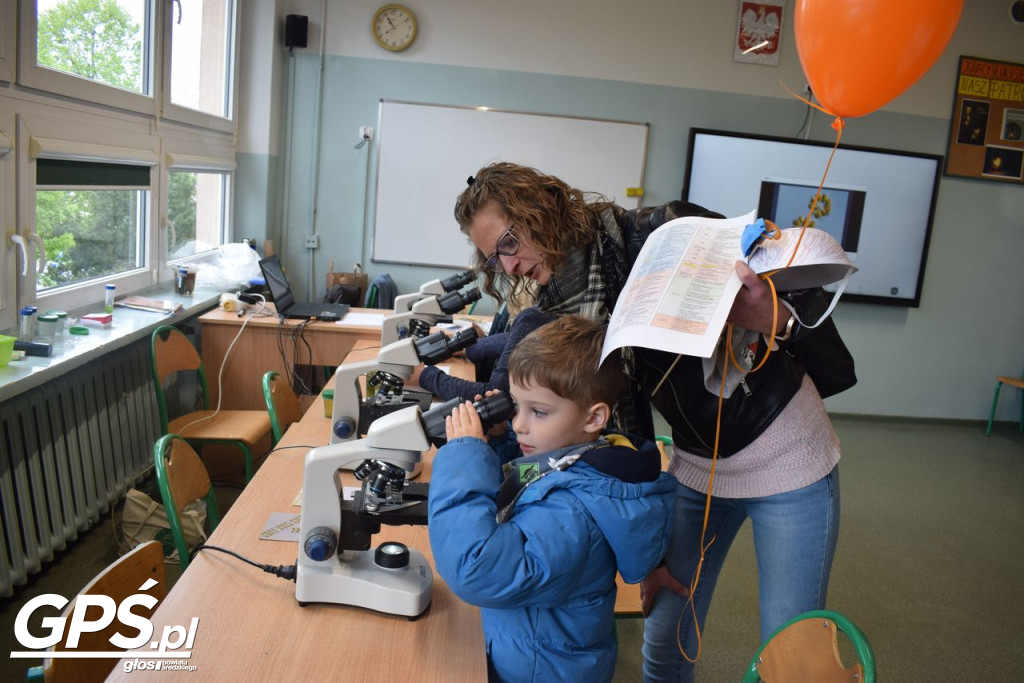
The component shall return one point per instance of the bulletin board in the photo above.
(986, 135)
(426, 152)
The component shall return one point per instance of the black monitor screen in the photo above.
(277, 283)
(877, 203)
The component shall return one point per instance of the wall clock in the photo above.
(394, 27)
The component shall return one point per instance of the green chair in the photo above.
(182, 478)
(282, 403)
(173, 353)
(805, 650)
(1013, 382)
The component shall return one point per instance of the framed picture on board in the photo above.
(758, 29)
(986, 131)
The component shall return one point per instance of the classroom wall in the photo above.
(668, 63)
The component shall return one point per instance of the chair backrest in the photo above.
(182, 478)
(282, 403)
(118, 581)
(806, 649)
(172, 352)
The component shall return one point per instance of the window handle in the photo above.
(35, 239)
(20, 242)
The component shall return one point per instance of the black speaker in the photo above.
(295, 29)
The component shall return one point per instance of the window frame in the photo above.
(8, 219)
(187, 115)
(32, 75)
(86, 140)
(8, 41)
(177, 158)
(94, 121)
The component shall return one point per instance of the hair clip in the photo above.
(470, 180)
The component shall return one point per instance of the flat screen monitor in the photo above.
(877, 203)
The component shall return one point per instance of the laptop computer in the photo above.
(284, 300)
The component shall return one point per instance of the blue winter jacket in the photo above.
(545, 577)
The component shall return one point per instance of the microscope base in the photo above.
(355, 579)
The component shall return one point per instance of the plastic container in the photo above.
(108, 302)
(6, 348)
(180, 278)
(62, 322)
(46, 326)
(328, 403)
(26, 324)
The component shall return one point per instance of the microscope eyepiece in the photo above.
(492, 410)
(438, 346)
(453, 302)
(458, 281)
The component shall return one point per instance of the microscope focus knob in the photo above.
(345, 428)
(321, 542)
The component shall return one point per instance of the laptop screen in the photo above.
(277, 282)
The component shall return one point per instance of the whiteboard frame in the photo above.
(379, 255)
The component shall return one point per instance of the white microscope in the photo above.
(336, 563)
(353, 414)
(404, 302)
(425, 313)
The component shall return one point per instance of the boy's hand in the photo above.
(654, 582)
(464, 421)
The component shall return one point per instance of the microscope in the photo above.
(425, 313)
(386, 375)
(336, 562)
(404, 302)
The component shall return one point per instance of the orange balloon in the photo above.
(860, 54)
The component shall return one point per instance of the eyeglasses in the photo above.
(507, 245)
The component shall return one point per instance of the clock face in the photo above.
(394, 27)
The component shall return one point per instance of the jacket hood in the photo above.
(629, 497)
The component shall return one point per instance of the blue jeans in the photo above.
(795, 541)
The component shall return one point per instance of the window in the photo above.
(92, 219)
(202, 38)
(197, 211)
(105, 51)
(107, 100)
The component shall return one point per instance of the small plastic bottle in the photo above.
(25, 319)
(108, 305)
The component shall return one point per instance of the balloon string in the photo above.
(837, 124)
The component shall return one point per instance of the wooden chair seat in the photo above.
(173, 353)
(249, 426)
(806, 650)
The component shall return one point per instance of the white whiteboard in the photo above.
(426, 152)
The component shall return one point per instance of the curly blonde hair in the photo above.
(553, 216)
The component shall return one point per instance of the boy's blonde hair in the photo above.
(563, 356)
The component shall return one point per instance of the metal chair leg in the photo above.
(992, 416)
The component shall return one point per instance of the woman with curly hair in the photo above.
(777, 453)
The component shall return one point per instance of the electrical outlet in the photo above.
(366, 132)
(313, 242)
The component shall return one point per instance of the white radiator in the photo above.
(68, 451)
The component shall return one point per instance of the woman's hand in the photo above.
(752, 308)
(464, 421)
(654, 582)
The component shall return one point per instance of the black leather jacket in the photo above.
(689, 408)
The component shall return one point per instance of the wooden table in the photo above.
(258, 350)
(251, 627)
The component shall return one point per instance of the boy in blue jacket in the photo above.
(538, 545)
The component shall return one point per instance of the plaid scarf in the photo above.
(592, 276)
